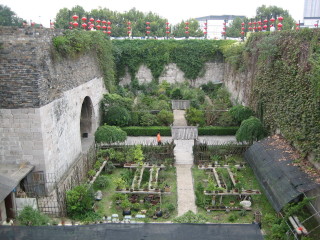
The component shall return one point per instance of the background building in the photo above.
(311, 13)
(215, 24)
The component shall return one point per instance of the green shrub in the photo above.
(117, 100)
(250, 130)
(32, 217)
(147, 131)
(190, 217)
(158, 104)
(165, 117)
(102, 182)
(148, 119)
(240, 113)
(195, 117)
(216, 130)
(117, 116)
(110, 134)
(80, 200)
(176, 94)
(225, 119)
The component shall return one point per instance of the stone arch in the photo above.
(86, 118)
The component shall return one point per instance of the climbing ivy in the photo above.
(189, 55)
(285, 86)
(73, 44)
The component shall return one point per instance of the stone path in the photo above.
(179, 119)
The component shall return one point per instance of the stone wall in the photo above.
(29, 76)
(213, 72)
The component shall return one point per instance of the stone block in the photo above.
(28, 158)
(16, 111)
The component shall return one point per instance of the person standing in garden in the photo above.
(159, 138)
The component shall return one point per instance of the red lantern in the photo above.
(243, 28)
(129, 32)
(98, 21)
(147, 23)
(75, 24)
(167, 28)
(280, 18)
(242, 33)
(167, 23)
(224, 23)
(147, 27)
(204, 32)
(109, 28)
(104, 31)
(250, 28)
(148, 32)
(109, 32)
(205, 23)
(109, 23)
(84, 25)
(89, 23)
(92, 25)
(129, 23)
(186, 23)
(259, 28)
(167, 32)
(272, 20)
(104, 27)
(75, 17)
(242, 24)
(187, 32)
(259, 22)
(205, 28)
(104, 22)
(223, 33)
(128, 28)
(254, 23)
(224, 28)
(297, 28)
(279, 25)
(279, 28)
(91, 19)
(186, 28)
(254, 28)
(250, 23)
(316, 25)
(265, 21)
(98, 27)
(70, 27)
(297, 24)
(265, 26)
(69, 23)
(84, 19)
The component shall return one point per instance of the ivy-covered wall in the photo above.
(189, 55)
(278, 75)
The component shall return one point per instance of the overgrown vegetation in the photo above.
(110, 134)
(32, 217)
(75, 43)
(190, 56)
(285, 85)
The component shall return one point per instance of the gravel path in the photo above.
(179, 119)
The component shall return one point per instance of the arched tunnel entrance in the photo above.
(86, 118)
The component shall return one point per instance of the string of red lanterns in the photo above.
(187, 29)
(148, 28)
(167, 29)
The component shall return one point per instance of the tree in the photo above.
(118, 116)
(110, 134)
(240, 113)
(250, 130)
(8, 17)
(64, 16)
(194, 29)
(234, 28)
(32, 217)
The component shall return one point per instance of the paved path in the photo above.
(184, 161)
(179, 119)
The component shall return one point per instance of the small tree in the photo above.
(194, 117)
(110, 134)
(118, 116)
(165, 117)
(250, 130)
(79, 201)
(240, 113)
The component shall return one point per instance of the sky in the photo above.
(42, 11)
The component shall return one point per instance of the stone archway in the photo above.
(86, 118)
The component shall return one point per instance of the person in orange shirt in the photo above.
(159, 138)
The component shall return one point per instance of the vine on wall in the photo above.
(189, 55)
(286, 85)
(75, 43)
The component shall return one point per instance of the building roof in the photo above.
(273, 162)
(10, 177)
(219, 17)
(157, 231)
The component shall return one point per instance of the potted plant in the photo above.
(120, 183)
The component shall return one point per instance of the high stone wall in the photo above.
(213, 72)
(41, 101)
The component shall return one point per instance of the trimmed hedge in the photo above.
(215, 130)
(147, 131)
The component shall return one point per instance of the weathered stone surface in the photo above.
(29, 76)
